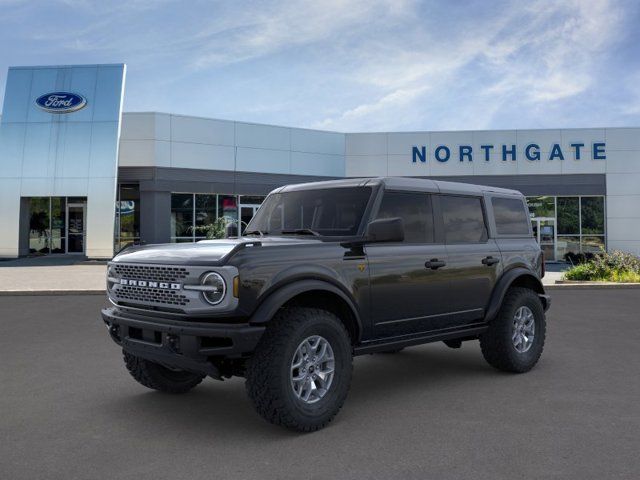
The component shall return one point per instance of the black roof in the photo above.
(403, 183)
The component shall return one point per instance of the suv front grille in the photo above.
(146, 295)
(151, 273)
(155, 296)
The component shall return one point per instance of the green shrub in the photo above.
(582, 271)
(615, 266)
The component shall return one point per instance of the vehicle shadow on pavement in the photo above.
(416, 369)
(223, 409)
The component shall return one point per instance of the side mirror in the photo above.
(385, 230)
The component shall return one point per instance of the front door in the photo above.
(76, 220)
(407, 296)
(544, 231)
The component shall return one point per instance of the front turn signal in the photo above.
(236, 286)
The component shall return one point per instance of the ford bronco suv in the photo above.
(325, 271)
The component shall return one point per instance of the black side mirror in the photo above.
(385, 230)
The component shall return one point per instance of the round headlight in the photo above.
(216, 288)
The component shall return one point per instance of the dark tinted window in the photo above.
(592, 209)
(415, 211)
(511, 217)
(568, 215)
(463, 219)
(329, 211)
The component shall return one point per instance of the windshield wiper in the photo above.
(302, 231)
(255, 232)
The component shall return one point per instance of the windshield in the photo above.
(326, 212)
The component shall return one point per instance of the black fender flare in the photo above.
(503, 284)
(281, 295)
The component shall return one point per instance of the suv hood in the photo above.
(205, 252)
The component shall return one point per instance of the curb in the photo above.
(21, 293)
(592, 286)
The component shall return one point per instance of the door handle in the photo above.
(488, 261)
(434, 264)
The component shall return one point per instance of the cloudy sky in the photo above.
(351, 65)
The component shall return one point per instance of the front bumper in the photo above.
(185, 345)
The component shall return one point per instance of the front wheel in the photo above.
(300, 372)
(515, 338)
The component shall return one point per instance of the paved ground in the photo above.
(70, 411)
(554, 271)
(51, 273)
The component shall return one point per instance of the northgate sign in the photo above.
(531, 152)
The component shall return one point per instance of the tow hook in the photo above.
(173, 343)
(114, 331)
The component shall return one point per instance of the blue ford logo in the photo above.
(61, 102)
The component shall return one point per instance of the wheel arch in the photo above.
(516, 277)
(312, 293)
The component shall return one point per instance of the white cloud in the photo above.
(255, 32)
(341, 64)
(543, 53)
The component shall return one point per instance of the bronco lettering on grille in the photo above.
(150, 284)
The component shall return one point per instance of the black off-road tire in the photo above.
(268, 375)
(157, 377)
(497, 345)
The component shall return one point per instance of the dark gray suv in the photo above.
(326, 271)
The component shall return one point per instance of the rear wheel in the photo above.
(300, 372)
(515, 339)
(157, 377)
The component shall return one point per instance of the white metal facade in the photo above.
(47, 155)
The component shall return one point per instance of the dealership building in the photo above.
(79, 176)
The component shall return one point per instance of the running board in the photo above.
(418, 339)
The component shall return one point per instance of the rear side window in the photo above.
(511, 216)
(463, 219)
(415, 211)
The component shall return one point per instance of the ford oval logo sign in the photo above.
(61, 102)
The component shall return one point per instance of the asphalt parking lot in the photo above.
(70, 410)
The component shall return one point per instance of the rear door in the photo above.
(409, 289)
(474, 261)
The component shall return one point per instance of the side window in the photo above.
(511, 216)
(463, 219)
(415, 211)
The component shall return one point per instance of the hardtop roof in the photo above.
(403, 183)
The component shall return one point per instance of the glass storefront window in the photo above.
(58, 224)
(127, 229)
(566, 245)
(592, 215)
(542, 206)
(580, 222)
(249, 205)
(191, 211)
(592, 244)
(568, 215)
(228, 208)
(39, 233)
(251, 200)
(49, 225)
(206, 212)
(182, 215)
